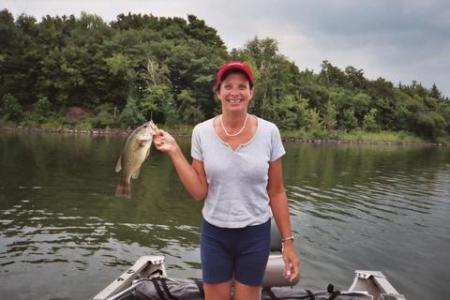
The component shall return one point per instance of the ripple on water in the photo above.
(43, 237)
(382, 196)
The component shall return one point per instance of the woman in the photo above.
(236, 169)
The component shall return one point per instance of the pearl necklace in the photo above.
(234, 134)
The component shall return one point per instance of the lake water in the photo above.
(64, 235)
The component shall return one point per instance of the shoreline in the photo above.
(288, 139)
(67, 131)
(74, 131)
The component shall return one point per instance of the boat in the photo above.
(148, 279)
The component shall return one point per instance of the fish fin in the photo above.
(136, 174)
(119, 164)
(123, 189)
(148, 153)
(142, 143)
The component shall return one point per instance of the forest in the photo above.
(82, 72)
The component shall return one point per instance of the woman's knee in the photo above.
(217, 291)
(246, 292)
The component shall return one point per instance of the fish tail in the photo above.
(123, 189)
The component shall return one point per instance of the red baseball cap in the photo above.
(235, 65)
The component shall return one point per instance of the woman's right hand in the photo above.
(164, 142)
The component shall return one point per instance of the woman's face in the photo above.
(235, 93)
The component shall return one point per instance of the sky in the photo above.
(399, 40)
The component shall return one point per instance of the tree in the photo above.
(329, 117)
(355, 78)
(370, 120)
(157, 101)
(198, 30)
(330, 74)
(141, 66)
(315, 123)
(188, 109)
(42, 108)
(277, 78)
(11, 108)
(349, 121)
(435, 93)
(131, 116)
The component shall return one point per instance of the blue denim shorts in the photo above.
(241, 253)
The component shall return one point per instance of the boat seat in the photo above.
(273, 275)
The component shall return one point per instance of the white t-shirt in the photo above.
(237, 179)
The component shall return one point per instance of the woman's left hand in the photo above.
(291, 261)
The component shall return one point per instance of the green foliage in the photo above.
(119, 64)
(329, 116)
(332, 75)
(370, 120)
(315, 124)
(106, 116)
(157, 102)
(141, 66)
(431, 124)
(11, 108)
(349, 120)
(303, 114)
(187, 109)
(388, 137)
(43, 107)
(84, 124)
(131, 114)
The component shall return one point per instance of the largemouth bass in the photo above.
(135, 152)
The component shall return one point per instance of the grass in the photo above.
(360, 136)
(381, 137)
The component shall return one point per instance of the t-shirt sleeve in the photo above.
(196, 149)
(277, 145)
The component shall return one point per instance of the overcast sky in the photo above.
(398, 40)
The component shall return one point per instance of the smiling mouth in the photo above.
(234, 101)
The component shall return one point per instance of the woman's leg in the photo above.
(246, 292)
(253, 253)
(217, 261)
(217, 291)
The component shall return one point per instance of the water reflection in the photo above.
(372, 207)
(353, 207)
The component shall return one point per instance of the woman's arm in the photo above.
(280, 210)
(192, 176)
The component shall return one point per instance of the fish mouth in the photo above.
(150, 126)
